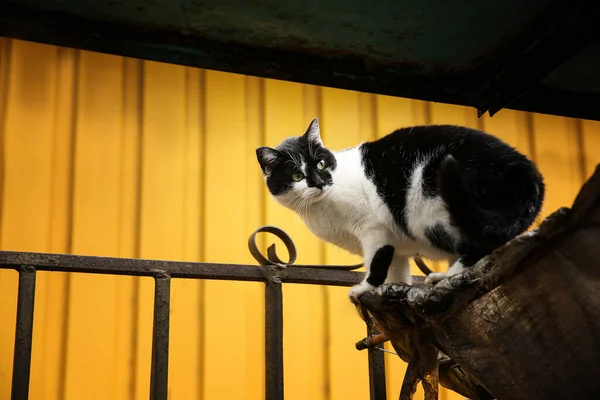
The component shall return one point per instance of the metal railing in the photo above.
(272, 270)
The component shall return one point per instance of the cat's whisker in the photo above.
(304, 207)
(293, 202)
(293, 159)
(297, 200)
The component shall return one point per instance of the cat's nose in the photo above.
(318, 183)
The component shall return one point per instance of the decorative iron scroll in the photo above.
(273, 259)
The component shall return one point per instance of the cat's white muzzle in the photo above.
(319, 194)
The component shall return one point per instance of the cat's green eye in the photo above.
(297, 176)
(321, 165)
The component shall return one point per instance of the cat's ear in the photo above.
(266, 157)
(313, 133)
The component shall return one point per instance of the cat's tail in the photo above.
(463, 210)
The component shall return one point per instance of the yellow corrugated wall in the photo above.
(103, 155)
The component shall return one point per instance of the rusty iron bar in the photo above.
(371, 341)
(24, 334)
(377, 387)
(304, 274)
(159, 374)
(273, 339)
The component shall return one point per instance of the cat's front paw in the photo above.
(434, 278)
(359, 290)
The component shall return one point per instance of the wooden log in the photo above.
(523, 323)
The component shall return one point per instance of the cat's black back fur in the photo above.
(492, 192)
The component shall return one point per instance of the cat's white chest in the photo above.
(335, 225)
(352, 208)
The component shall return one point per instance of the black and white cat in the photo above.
(443, 192)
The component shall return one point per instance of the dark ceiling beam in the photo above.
(546, 100)
(560, 31)
(159, 43)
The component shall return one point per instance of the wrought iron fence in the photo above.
(272, 270)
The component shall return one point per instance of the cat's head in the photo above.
(298, 171)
